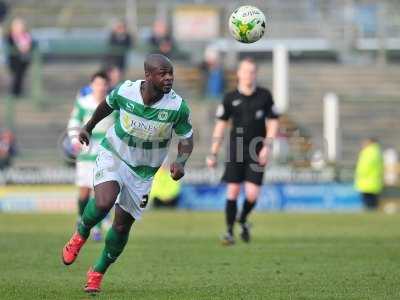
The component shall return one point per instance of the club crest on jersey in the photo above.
(99, 174)
(236, 102)
(162, 115)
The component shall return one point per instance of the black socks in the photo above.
(247, 208)
(230, 214)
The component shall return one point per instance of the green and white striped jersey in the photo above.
(83, 110)
(141, 136)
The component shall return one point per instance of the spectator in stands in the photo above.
(213, 74)
(161, 40)
(120, 41)
(369, 173)
(19, 45)
(7, 148)
(114, 74)
(165, 191)
(3, 15)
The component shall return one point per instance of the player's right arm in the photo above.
(223, 115)
(217, 138)
(104, 109)
(75, 124)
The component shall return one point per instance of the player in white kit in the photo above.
(132, 151)
(83, 110)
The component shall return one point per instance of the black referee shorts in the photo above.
(245, 169)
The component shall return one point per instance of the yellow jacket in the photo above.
(369, 170)
(164, 187)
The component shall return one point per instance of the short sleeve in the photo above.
(270, 109)
(183, 126)
(112, 98)
(224, 109)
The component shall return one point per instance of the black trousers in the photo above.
(18, 70)
(370, 201)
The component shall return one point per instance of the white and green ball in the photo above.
(247, 24)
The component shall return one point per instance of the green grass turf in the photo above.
(177, 255)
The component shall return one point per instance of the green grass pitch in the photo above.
(177, 255)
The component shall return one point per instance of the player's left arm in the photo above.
(183, 128)
(185, 148)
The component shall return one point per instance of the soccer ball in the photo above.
(247, 24)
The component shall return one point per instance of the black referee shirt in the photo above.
(248, 113)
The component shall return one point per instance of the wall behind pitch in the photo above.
(274, 197)
(278, 197)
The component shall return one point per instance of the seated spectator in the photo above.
(114, 74)
(19, 45)
(7, 148)
(120, 41)
(161, 40)
(214, 76)
(3, 15)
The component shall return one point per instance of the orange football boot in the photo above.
(71, 249)
(93, 281)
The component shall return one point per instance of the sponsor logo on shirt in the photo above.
(145, 129)
(138, 124)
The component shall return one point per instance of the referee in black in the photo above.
(254, 127)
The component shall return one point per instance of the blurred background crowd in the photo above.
(346, 48)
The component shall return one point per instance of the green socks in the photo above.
(90, 217)
(81, 206)
(114, 245)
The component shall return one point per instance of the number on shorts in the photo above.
(145, 200)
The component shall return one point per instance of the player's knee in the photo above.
(104, 203)
(122, 228)
(233, 191)
(252, 195)
(84, 194)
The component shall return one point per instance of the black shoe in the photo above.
(245, 234)
(228, 239)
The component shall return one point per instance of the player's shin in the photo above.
(114, 245)
(247, 208)
(91, 216)
(230, 213)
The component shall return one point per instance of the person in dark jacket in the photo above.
(120, 41)
(19, 44)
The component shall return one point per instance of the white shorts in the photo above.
(134, 192)
(84, 173)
